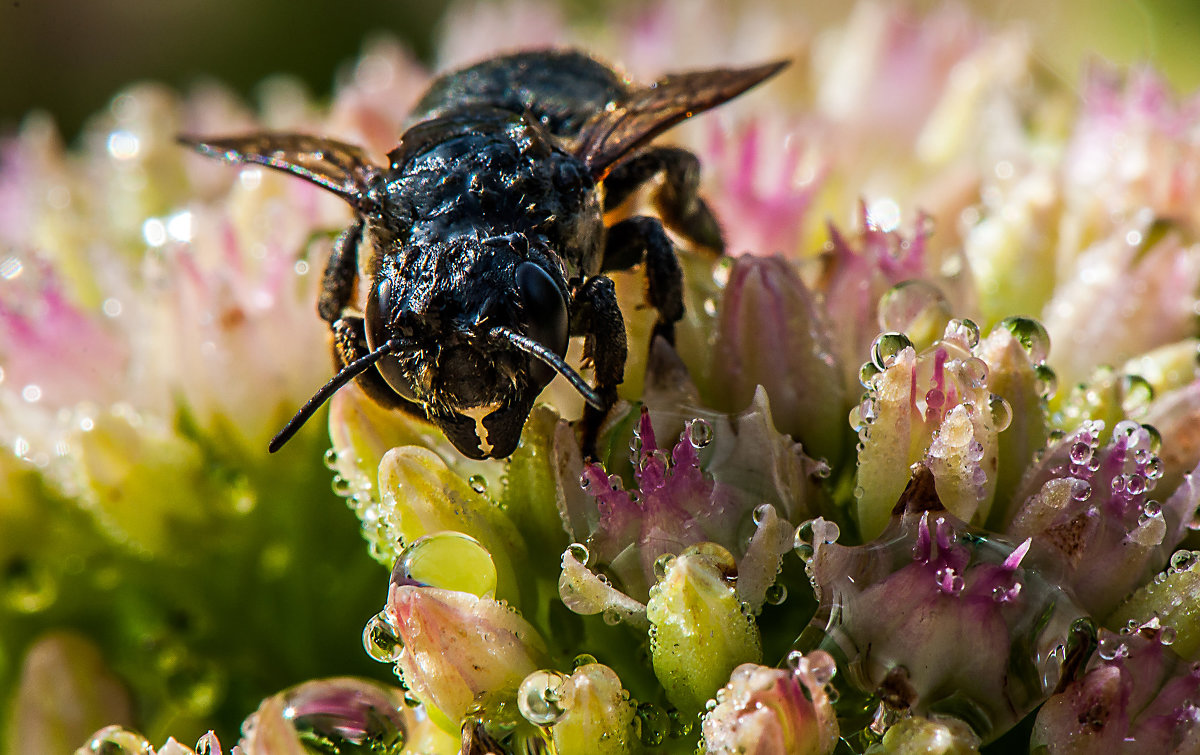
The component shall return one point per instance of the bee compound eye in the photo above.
(545, 314)
(378, 332)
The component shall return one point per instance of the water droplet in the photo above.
(1112, 647)
(1138, 393)
(579, 552)
(1154, 442)
(611, 616)
(935, 398)
(1045, 381)
(867, 373)
(27, 588)
(331, 459)
(1135, 484)
(380, 640)
(583, 659)
(721, 271)
(1081, 490)
(1080, 453)
(1031, 335)
(911, 306)
(1153, 468)
(821, 667)
(447, 560)
(699, 433)
(662, 565)
(760, 513)
(1167, 636)
(585, 480)
(974, 372)
(776, 594)
(1183, 560)
(681, 725)
(342, 487)
(478, 483)
(347, 715)
(653, 724)
(539, 695)
(1001, 412)
(1152, 509)
(116, 740)
(965, 331)
(886, 347)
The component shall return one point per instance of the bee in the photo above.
(486, 237)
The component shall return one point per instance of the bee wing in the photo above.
(339, 167)
(645, 113)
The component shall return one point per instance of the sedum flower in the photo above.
(931, 425)
(932, 617)
(766, 710)
(1136, 696)
(694, 613)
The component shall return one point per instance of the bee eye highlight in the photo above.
(378, 327)
(545, 312)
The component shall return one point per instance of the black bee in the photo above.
(487, 242)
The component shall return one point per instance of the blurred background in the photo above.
(69, 57)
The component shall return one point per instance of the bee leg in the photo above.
(597, 317)
(349, 344)
(677, 200)
(642, 238)
(341, 274)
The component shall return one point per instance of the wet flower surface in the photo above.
(917, 475)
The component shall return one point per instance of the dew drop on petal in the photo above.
(1081, 490)
(662, 565)
(539, 696)
(447, 560)
(699, 433)
(1046, 381)
(342, 487)
(579, 552)
(583, 659)
(331, 459)
(886, 346)
(478, 483)
(380, 640)
(776, 594)
(721, 271)
(1001, 412)
(1031, 335)
(1112, 647)
(909, 303)
(1154, 443)
(963, 330)
(653, 724)
(1183, 560)
(611, 616)
(116, 740)
(867, 373)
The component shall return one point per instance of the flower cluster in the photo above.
(919, 473)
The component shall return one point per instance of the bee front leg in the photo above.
(642, 238)
(677, 200)
(350, 344)
(597, 317)
(341, 274)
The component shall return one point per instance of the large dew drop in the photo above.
(447, 560)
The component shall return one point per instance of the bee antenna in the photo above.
(344, 375)
(552, 360)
